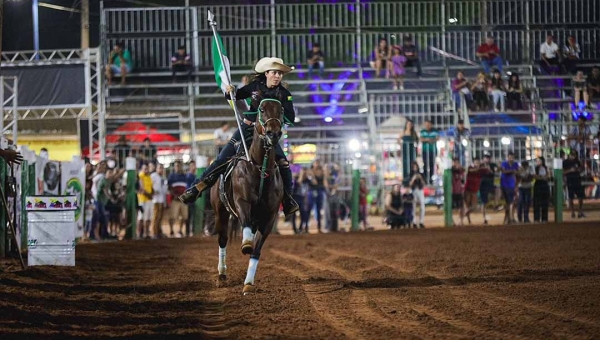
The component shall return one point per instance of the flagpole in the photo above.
(213, 24)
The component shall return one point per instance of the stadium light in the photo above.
(538, 143)
(363, 109)
(505, 140)
(486, 143)
(453, 20)
(357, 155)
(354, 145)
(328, 119)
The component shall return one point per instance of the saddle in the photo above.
(225, 181)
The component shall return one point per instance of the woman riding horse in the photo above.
(266, 83)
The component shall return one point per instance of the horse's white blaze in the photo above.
(251, 271)
(222, 264)
(247, 234)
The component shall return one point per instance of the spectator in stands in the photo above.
(145, 202)
(408, 141)
(580, 90)
(429, 137)
(148, 152)
(487, 184)
(315, 58)
(461, 140)
(475, 174)
(460, 88)
(514, 93)
(119, 63)
(222, 136)
(579, 138)
(177, 183)
(489, 53)
(159, 199)
(397, 68)
(498, 90)
(525, 176)
(190, 178)
(122, 151)
(541, 191)
(508, 182)
(417, 184)
(572, 171)
(181, 62)
(480, 92)
(550, 54)
(458, 188)
(382, 55)
(593, 83)
(411, 52)
(318, 188)
(571, 52)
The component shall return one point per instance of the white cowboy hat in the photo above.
(269, 63)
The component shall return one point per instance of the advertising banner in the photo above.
(73, 184)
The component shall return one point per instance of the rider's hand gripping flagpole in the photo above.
(238, 119)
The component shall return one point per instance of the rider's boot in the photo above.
(193, 193)
(289, 204)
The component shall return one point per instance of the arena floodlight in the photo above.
(505, 140)
(486, 143)
(354, 145)
(328, 119)
(363, 109)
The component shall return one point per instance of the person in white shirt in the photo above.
(550, 53)
(159, 199)
(222, 136)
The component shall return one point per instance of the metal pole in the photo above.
(36, 26)
(527, 33)
(559, 195)
(130, 198)
(85, 24)
(200, 204)
(355, 195)
(195, 43)
(15, 96)
(447, 184)
(443, 18)
(2, 106)
(358, 39)
(1, 20)
(24, 193)
(273, 30)
(192, 112)
(213, 24)
(3, 214)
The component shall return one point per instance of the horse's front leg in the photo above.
(259, 241)
(245, 217)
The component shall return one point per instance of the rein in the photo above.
(263, 169)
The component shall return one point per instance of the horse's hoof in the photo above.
(247, 248)
(222, 277)
(249, 289)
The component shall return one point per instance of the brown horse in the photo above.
(256, 206)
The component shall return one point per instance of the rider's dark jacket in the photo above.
(258, 90)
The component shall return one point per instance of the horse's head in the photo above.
(269, 121)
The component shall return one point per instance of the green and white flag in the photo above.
(221, 71)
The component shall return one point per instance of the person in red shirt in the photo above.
(458, 188)
(474, 174)
(489, 53)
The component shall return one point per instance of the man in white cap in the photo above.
(266, 83)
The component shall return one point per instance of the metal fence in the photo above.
(348, 32)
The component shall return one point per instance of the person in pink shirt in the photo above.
(397, 67)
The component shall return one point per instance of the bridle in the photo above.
(263, 123)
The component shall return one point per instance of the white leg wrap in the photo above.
(222, 258)
(247, 234)
(251, 272)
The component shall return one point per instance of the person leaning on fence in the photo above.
(265, 85)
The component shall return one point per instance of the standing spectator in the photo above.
(303, 192)
(417, 184)
(429, 138)
(514, 93)
(408, 141)
(411, 52)
(458, 188)
(487, 184)
(508, 183)
(526, 175)
(480, 92)
(315, 58)
(181, 62)
(541, 191)
(550, 54)
(145, 202)
(159, 199)
(114, 205)
(579, 137)
(593, 83)
(318, 189)
(498, 91)
(299, 194)
(397, 67)
(382, 55)
(489, 53)
(475, 174)
(571, 53)
(177, 183)
(222, 136)
(393, 206)
(580, 90)
(461, 140)
(460, 88)
(122, 150)
(363, 204)
(572, 171)
(119, 63)
(148, 152)
(190, 179)
(407, 206)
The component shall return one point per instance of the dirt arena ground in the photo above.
(501, 282)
